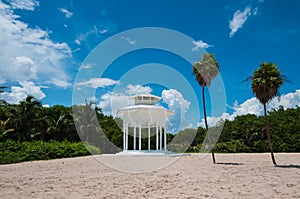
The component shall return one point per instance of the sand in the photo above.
(237, 176)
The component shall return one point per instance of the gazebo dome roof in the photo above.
(144, 114)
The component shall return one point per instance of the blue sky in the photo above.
(43, 44)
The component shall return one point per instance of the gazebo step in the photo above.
(146, 152)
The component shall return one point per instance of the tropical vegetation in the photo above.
(246, 133)
(51, 133)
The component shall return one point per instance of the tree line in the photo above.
(29, 131)
(246, 133)
(29, 121)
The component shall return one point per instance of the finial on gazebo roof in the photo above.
(145, 99)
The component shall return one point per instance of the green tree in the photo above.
(95, 128)
(285, 129)
(205, 70)
(86, 121)
(265, 84)
(25, 116)
(58, 124)
(3, 128)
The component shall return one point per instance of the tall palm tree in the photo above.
(265, 84)
(205, 70)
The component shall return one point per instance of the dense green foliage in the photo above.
(13, 152)
(29, 125)
(246, 133)
(51, 133)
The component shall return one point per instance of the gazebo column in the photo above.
(149, 131)
(124, 136)
(140, 137)
(156, 137)
(160, 137)
(134, 137)
(165, 138)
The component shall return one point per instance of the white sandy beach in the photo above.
(245, 176)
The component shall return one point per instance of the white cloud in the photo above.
(103, 31)
(59, 82)
(137, 89)
(66, 12)
(3, 6)
(175, 100)
(111, 102)
(24, 4)
(212, 121)
(180, 106)
(20, 93)
(250, 106)
(83, 36)
(77, 41)
(93, 31)
(253, 106)
(200, 44)
(92, 99)
(290, 100)
(29, 52)
(86, 66)
(189, 126)
(130, 41)
(98, 82)
(255, 11)
(238, 20)
(77, 49)
(24, 68)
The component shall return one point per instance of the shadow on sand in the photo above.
(289, 166)
(229, 163)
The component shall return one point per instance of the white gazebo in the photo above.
(144, 114)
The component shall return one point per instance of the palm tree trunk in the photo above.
(206, 125)
(268, 134)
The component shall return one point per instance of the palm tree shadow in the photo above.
(229, 163)
(289, 166)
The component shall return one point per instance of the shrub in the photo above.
(13, 152)
(233, 146)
